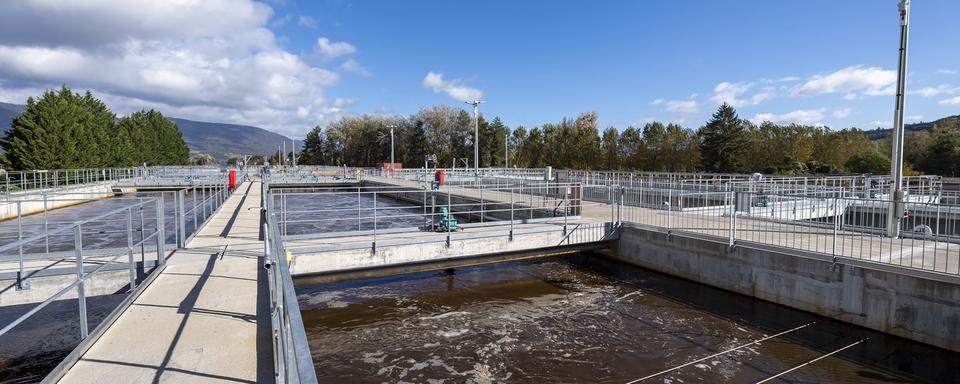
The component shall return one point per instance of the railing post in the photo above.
(21, 285)
(374, 223)
(449, 215)
(511, 214)
(161, 237)
(731, 201)
(670, 208)
(81, 293)
(836, 224)
(181, 220)
(133, 274)
(46, 237)
(193, 196)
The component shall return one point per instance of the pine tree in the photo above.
(61, 129)
(724, 141)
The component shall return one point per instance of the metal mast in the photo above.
(895, 212)
(476, 135)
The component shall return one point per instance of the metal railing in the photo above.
(19, 183)
(42, 238)
(839, 224)
(293, 362)
(85, 267)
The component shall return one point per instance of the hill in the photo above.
(877, 134)
(225, 140)
(217, 139)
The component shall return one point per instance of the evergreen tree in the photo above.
(724, 141)
(610, 149)
(312, 153)
(157, 140)
(62, 129)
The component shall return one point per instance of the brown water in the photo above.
(578, 320)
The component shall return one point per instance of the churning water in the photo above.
(581, 320)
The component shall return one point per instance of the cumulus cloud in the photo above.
(307, 22)
(453, 88)
(212, 60)
(805, 116)
(872, 81)
(842, 113)
(947, 72)
(951, 101)
(682, 106)
(730, 93)
(353, 66)
(933, 91)
(329, 49)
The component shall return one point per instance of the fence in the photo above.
(841, 225)
(20, 183)
(83, 264)
(293, 362)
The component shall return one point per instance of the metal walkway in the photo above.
(204, 318)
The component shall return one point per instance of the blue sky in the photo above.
(287, 65)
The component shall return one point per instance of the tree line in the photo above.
(63, 129)
(725, 143)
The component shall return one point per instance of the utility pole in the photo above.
(284, 154)
(293, 147)
(895, 212)
(476, 135)
(506, 150)
(392, 126)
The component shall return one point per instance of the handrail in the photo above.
(293, 362)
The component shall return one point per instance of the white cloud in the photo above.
(329, 50)
(806, 116)
(212, 60)
(729, 93)
(682, 106)
(452, 88)
(842, 113)
(307, 22)
(947, 72)
(933, 91)
(657, 102)
(872, 81)
(353, 66)
(951, 101)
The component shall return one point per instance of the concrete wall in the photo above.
(34, 203)
(432, 248)
(918, 306)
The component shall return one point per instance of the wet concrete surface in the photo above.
(581, 319)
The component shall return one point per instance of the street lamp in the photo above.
(392, 163)
(895, 212)
(476, 135)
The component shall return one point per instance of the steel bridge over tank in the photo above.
(207, 272)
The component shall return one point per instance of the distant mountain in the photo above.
(216, 139)
(225, 140)
(877, 134)
(7, 112)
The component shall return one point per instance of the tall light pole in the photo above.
(476, 135)
(506, 149)
(895, 212)
(392, 126)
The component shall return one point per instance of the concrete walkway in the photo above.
(204, 319)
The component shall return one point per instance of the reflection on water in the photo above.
(579, 320)
(35, 347)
